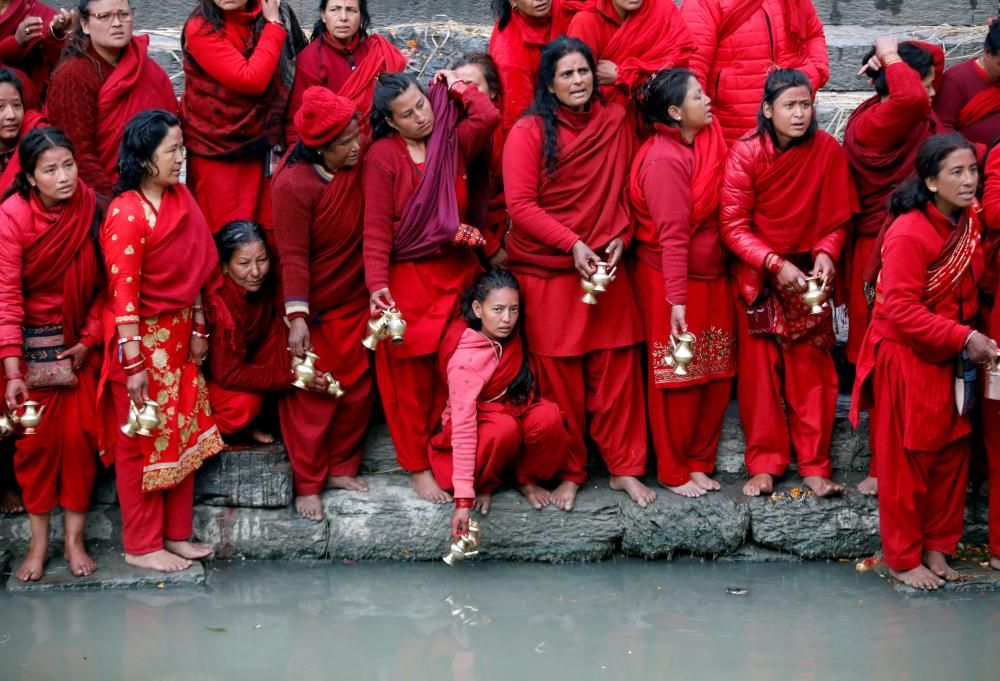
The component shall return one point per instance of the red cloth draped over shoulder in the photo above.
(653, 38)
(137, 84)
(382, 57)
(32, 119)
(979, 107)
(587, 193)
(507, 370)
(562, 14)
(517, 51)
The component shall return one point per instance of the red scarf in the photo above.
(562, 14)
(653, 37)
(984, 104)
(231, 309)
(588, 192)
(511, 360)
(947, 270)
(137, 84)
(32, 119)
(796, 21)
(382, 57)
(341, 212)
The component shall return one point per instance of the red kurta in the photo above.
(50, 277)
(578, 347)
(969, 102)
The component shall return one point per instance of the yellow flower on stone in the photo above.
(160, 359)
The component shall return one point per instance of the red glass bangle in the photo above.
(134, 369)
(463, 503)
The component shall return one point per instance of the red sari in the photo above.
(50, 276)
(675, 197)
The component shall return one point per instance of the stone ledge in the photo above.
(112, 573)
(904, 12)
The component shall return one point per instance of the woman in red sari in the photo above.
(14, 123)
(319, 222)
(238, 64)
(247, 357)
(923, 323)
(787, 200)
(344, 57)
(106, 78)
(680, 278)
(565, 171)
(418, 255)
(494, 426)
(160, 259)
(50, 283)
(881, 141)
(31, 39)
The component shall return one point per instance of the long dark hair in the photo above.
(236, 234)
(212, 13)
(303, 153)
(8, 76)
(913, 193)
(546, 105)
(31, 148)
(388, 87)
(777, 83)
(319, 28)
(916, 57)
(665, 89)
(78, 40)
(486, 64)
(503, 12)
(143, 135)
(492, 280)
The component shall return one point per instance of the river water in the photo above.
(622, 620)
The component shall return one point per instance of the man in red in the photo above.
(968, 100)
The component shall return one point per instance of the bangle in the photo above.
(774, 263)
(889, 58)
(14, 377)
(463, 502)
(134, 370)
(129, 360)
(199, 334)
(968, 338)
(129, 339)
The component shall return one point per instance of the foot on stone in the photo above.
(918, 578)
(937, 563)
(705, 482)
(822, 487)
(631, 485)
(348, 482)
(689, 489)
(260, 437)
(869, 486)
(538, 497)
(80, 563)
(189, 550)
(33, 567)
(162, 561)
(10, 501)
(995, 562)
(426, 486)
(564, 496)
(762, 483)
(309, 507)
(482, 503)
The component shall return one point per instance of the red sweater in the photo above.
(37, 57)
(961, 83)
(220, 53)
(390, 177)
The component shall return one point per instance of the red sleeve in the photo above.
(890, 122)
(817, 65)
(222, 61)
(92, 333)
(702, 18)
(11, 51)
(903, 278)
(476, 129)
(833, 243)
(11, 289)
(293, 213)
(991, 194)
(123, 246)
(379, 181)
(72, 106)
(950, 99)
(666, 185)
(736, 206)
(518, 93)
(230, 368)
(522, 168)
(305, 78)
(468, 371)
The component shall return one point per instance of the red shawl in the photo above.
(947, 270)
(984, 104)
(796, 21)
(562, 14)
(32, 120)
(653, 37)
(511, 360)
(137, 84)
(382, 57)
(341, 216)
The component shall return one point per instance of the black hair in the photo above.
(503, 12)
(143, 135)
(236, 234)
(303, 153)
(78, 40)
(486, 64)
(545, 104)
(992, 43)
(8, 76)
(319, 28)
(31, 148)
(665, 89)
(913, 193)
(776, 84)
(492, 280)
(388, 87)
(212, 13)
(916, 57)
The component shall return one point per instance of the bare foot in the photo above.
(995, 562)
(350, 483)
(482, 503)
(632, 486)
(10, 501)
(426, 486)
(705, 482)
(538, 497)
(938, 564)
(918, 578)
(689, 489)
(564, 496)
(161, 560)
(33, 567)
(762, 483)
(261, 437)
(822, 487)
(869, 486)
(80, 563)
(189, 550)
(309, 507)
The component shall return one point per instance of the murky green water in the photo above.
(624, 620)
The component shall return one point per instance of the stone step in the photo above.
(905, 12)
(112, 573)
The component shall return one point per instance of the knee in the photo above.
(544, 420)
(502, 432)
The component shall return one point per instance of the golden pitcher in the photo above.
(31, 417)
(815, 295)
(466, 546)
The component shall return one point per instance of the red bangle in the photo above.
(134, 369)
(14, 377)
(463, 503)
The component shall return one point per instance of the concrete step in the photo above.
(905, 12)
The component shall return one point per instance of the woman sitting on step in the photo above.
(493, 425)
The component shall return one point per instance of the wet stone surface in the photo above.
(975, 577)
(112, 573)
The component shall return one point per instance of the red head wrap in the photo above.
(323, 116)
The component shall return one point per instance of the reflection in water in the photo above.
(626, 620)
